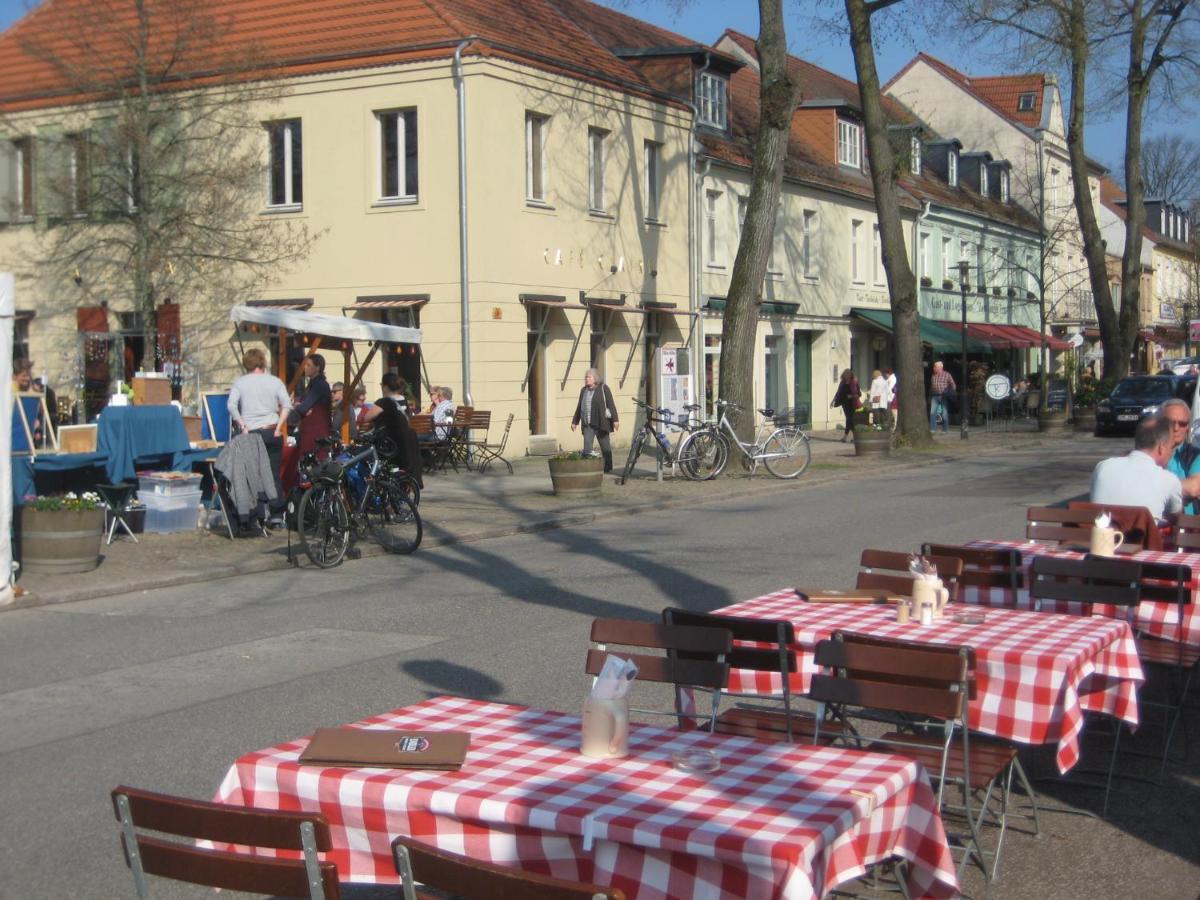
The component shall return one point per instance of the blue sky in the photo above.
(704, 20)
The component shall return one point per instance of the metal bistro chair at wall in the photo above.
(486, 453)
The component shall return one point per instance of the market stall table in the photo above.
(777, 820)
(1036, 673)
(1155, 618)
(137, 436)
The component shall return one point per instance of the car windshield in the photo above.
(1143, 390)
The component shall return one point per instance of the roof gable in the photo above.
(1001, 93)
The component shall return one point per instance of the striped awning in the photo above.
(391, 301)
(281, 304)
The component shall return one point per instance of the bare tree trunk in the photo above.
(778, 94)
(902, 285)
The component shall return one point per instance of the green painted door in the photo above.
(802, 375)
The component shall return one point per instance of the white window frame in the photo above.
(849, 144)
(952, 168)
(810, 225)
(597, 151)
(1022, 105)
(914, 155)
(131, 168)
(712, 92)
(652, 157)
(536, 126)
(946, 259)
(289, 202)
(78, 150)
(877, 255)
(711, 244)
(1053, 192)
(396, 122)
(1004, 185)
(923, 244)
(983, 179)
(25, 173)
(856, 261)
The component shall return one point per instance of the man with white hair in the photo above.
(1185, 456)
(1140, 478)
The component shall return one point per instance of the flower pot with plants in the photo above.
(926, 281)
(947, 284)
(872, 440)
(1088, 393)
(61, 535)
(576, 475)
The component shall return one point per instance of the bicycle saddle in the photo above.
(768, 412)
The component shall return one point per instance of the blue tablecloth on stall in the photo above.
(24, 469)
(146, 435)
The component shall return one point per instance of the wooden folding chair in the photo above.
(307, 833)
(485, 453)
(983, 569)
(927, 688)
(1054, 523)
(1187, 532)
(472, 879)
(887, 570)
(694, 657)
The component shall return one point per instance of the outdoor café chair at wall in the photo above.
(307, 834)
(887, 570)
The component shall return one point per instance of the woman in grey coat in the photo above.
(597, 412)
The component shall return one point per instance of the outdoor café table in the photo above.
(777, 820)
(1154, 618)
(1036, 673)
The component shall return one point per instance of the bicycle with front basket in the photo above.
(351, 496)
(698, 452)
(786, 451)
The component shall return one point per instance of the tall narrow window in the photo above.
(653, 154)
(1003, 185)
(808, 247)
(743, 207)
(133, 179)
(876, 256)
(713, 100)
(914, 155)
(945, 258)
(1052, 192)
(397, 154)
(596, 148)
(924, 245)
(856, 261)
(25, 174)
(710, 229)
(285, 185)
(952, 168)
(78, 173)
(983, 179)
(535, 156)
(849, 144)
(965, 254)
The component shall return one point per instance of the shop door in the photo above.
(802, 375)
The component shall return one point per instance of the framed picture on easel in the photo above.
(32, 428)
(215, 424)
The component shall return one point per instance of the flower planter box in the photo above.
(577, 477)
(872, 443)
(60, 542)
(1052, 420)
(1085, 419)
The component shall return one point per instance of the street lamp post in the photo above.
(1187, 328)
(963, 267)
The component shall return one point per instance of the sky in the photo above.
(705, 20)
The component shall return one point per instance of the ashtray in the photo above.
(696, 761)
(969, 618)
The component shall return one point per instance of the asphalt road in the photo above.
(164, 689)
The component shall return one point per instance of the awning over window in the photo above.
(1004, 337)
(280, 304)
(610, 304)
(548, 300)
(940, 338)
(663, 307)
(391, 301)
(765, 307)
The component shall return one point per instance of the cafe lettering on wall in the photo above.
(949, 306)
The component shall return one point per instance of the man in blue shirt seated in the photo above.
(1185, 459)
(1141, 478)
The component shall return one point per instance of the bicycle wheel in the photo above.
(787, 452)
(324, 525)
(408, 486)
(392, 518)
(635, 450)
(702, 455)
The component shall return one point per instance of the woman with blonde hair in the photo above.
(598, 414)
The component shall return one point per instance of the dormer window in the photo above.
(952, 168)
(713, 100)
(983, 179)
(1026, 101)
(849, 145)
(914, 155)
(1003, 185)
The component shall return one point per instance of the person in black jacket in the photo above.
(848, 397)
(387, 413)
(598, 414)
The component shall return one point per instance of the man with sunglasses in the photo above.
(1185, 458)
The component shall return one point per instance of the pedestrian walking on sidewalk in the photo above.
(941, 397)
(598, 414)
(849, 398)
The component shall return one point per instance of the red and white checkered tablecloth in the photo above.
(1152, 618)
(1036, 673)
(777, 820)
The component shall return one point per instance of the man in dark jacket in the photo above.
(598, 414)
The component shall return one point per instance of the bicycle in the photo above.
(698, 453)
(786, 451)
(350, 496)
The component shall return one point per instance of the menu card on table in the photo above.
(358, 747)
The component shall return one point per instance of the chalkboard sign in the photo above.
(1056, 397)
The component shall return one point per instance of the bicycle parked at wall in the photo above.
(786, 451)
(350, 496)
(699, 453)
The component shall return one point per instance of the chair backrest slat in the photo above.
(701, 673)
(231, 871)
(1092, 580)
(895, 676)
(688, 639)
(887, 570)
(983, 567)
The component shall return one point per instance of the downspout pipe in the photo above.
(464, 269)
(695, 242)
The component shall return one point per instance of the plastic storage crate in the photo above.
(167, 483)
(166, 513)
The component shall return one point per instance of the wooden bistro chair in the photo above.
(458, 439)
(692, 657)
(1135, 522)
(422, 424)
(486, 453)
(926, 689)
(1054, 523)
(472, 879)
(887, 570)
(307, 833)
(984, 570)
(1092, 581)
(1187, 532)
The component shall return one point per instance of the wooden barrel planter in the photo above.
(577, 477)
(1052, 420)
(872, 443)
(1085, 420)
(60, 542)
